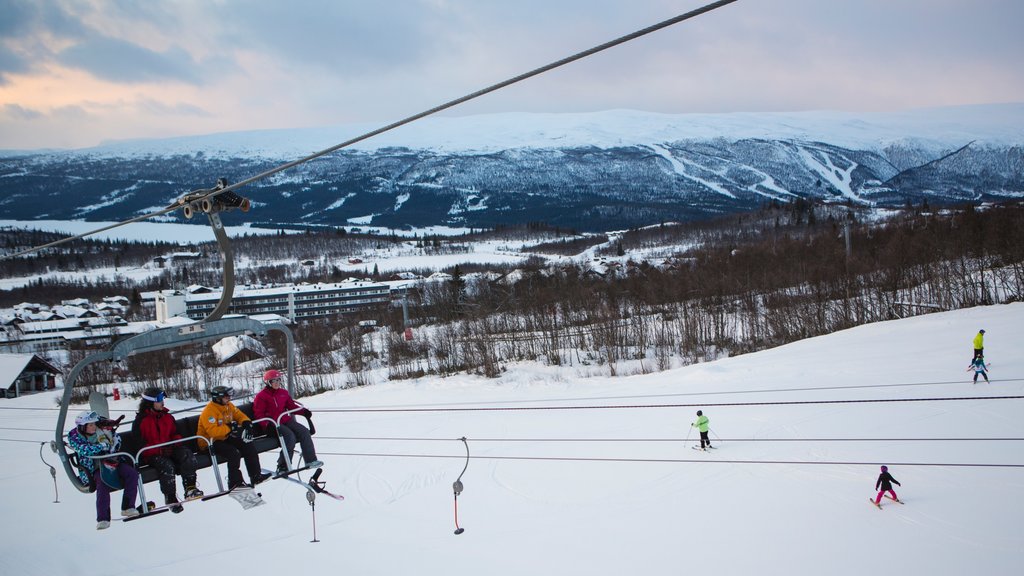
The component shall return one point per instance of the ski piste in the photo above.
(154, 510)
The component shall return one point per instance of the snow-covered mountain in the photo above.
(592, 171)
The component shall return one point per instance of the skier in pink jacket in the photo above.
(272, 402)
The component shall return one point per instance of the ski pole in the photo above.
(717, 439)
(690, 431)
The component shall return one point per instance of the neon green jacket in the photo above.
(979, 341)
(701, 423)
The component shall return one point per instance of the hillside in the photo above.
(593, 172)
(604, 485)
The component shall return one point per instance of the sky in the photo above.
(589, 490)
(77, 73)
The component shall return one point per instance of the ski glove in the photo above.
(306, 412)
(236, 432)
(247, 431)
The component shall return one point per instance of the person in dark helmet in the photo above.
(230, 430)
(884, 484)
(155, 425)
(273, 401)
(979, 344)
(87, 439)
(702, 425)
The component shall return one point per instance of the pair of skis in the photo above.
(314, 485)
(879, 504)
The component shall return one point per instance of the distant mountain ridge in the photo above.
(597, 171)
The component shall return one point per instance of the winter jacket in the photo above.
(215, 421)
(701, 423)
(885, 482)
(979, 365)
(101, 442)
(271, 403)
(979, 341)
(156, 427)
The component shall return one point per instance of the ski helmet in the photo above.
(271, 375)
(86, 418)
(218, 392)
(154, 394)
(700, 413)
(982, 331)
(885, 468)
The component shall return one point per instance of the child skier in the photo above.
(884, 484)
(978, 364)
(702, 425)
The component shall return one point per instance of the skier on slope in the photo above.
(884, 484)
(702, 425)
(978, 364)
(979, 344)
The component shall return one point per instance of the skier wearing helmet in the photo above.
(272, 402)
(702, 425)
(87, 440)
(884, 484)
(979, 344)
(155, 425)
(231, 432)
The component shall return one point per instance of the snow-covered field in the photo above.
(588, 490)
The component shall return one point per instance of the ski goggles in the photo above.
(159, 397)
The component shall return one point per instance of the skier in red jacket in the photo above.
(155, 425)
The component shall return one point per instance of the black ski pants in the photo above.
(182, 460)
(233, 450)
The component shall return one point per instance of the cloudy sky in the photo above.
(75, 73)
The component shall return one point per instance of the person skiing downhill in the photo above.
(702, 425)
(884, 484)
(979, 344)
(978, 364)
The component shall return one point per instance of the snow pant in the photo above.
(233, 450)
(181, 460)
(880, 492)
(976, 374)
(704, 440)
(129, 479)
(978, 352)
(291, 431)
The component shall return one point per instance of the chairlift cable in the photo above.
(197, 195)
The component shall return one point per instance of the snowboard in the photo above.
(247, 497)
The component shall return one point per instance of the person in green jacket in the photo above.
(979, 344)
(702, 425)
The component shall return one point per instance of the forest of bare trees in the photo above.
(682, 293)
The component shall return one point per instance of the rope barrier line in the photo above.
(700, 405)
(677, 460)
(568, 440)
(393, 125)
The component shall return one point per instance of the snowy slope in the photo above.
(726, 512)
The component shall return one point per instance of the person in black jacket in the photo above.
(884, 484)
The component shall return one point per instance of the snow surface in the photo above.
(726, 512)
(992, 124)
